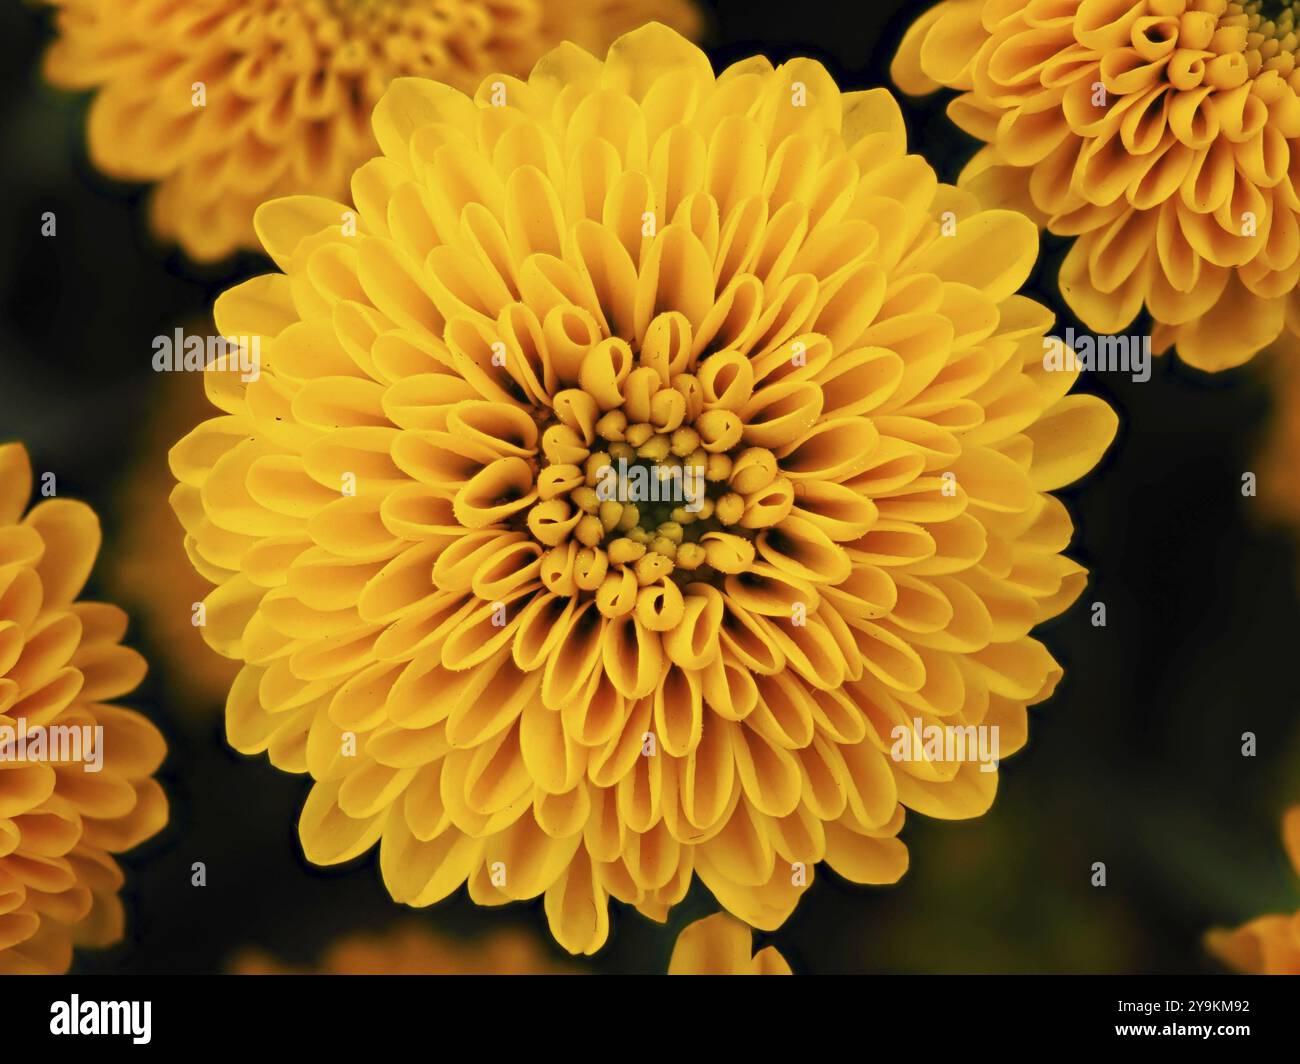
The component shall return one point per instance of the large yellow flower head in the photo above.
(609, 500)
(1267, 945)
(76, 772)
(228, 103)
(1161, 134)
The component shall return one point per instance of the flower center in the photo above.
(664, 488)
(366, 38)
(1217, 44)
(1270, 33)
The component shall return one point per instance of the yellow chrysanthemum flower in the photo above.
(1268, 945)
(228, 103)
(75, 771)
(720, 945)
(509, 671)
(414, 950)
(1160, 134)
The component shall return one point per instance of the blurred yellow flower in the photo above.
(720, 945)
(410, 949)
(228, 103)
(644, 466)
(1267, 945)
(75, 771)
(1277, 483)
(1159, 133)
(717, 945)
(147, 568)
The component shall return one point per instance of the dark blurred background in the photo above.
(1135, 762)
